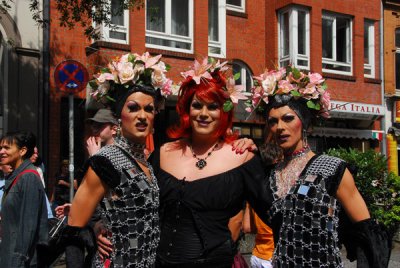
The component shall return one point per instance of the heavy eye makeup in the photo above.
(134, 107)
(198, 105)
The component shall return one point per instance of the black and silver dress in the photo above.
(305, 220)
(130, 208)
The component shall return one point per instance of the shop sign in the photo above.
(354, 110)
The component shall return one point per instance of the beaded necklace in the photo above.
(289, 170)
(135, 150)
(201, 162)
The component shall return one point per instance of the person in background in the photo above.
(309, 189)
(24, 212)
(5, 170)
(103, 128)
(60, 195)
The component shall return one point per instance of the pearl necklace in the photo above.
(201, 162)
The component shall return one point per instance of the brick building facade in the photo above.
(338, 38)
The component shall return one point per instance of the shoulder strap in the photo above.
(22, 173)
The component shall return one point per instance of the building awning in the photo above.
(355, 110)
(348, 133)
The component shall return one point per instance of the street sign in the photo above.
(71, 76)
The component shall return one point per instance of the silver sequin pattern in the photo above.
(308, 236)
(130, 213)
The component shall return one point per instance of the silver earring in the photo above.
(119, 128)
(305, 142)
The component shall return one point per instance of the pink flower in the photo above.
(291, 78)
(104, 76)
(157, 78)
(166, 89)
(325, 100)
(199, 71)
(309, 92)
(220, 66)
(284, 87)
(235, 92)
(148, 60)
(125, 72)
(315, 78)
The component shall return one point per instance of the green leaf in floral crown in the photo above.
(93, 84)
(236, 76)
(317, 106)
(105, 70)
(324, 86)
(167, 67)
(311, 105)
(228, 105)
(296, 73)
(211, 60)
(131, 58)
(295, 93)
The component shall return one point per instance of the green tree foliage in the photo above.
(379, 188)
(78, 12)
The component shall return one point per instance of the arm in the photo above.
(86, 199)
(235, 225)
(248, 220)
(351, 199)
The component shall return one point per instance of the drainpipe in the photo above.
(46, 88)
(381, 73)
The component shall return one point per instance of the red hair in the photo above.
(209, 90)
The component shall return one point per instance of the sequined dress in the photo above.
(305, 220)
(130, 209)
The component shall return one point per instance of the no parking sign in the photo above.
(71, 76)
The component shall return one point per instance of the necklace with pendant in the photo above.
(201, 162)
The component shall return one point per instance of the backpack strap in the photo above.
(17, 179)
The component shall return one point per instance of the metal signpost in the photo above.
(71, 77)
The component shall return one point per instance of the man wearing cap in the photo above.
(103, 126)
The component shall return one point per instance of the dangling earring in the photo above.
(119, 128)
(305, 142)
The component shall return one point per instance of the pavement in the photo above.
(394, 258)
(393, 263)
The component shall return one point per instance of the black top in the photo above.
(194, 215)
(61, 195)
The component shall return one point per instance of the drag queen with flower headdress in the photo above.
(309, 189)
(203, 182)
(119, 176)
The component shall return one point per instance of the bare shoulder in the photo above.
(235, 157)
(172, 146)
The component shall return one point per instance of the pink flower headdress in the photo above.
(128, 70)
(203, 72)
(311, 87)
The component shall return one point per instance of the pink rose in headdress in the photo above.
(257, 94)
(309, 91)
(166, 89)
(104, 76)
(284, 87)
(157, 78)
(325, 100)
(199, 71)
(125, 72)
(291, 78)
(315, 78)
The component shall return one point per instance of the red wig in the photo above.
(209, 90)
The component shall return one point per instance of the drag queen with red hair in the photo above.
(203, 182)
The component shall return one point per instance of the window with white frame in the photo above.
(369, 49)
(294, 37)
(236, 5)
(216, 28)
(336, 44)
(246, 75)
(397, 58)
(169, 25)
(118, 30)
